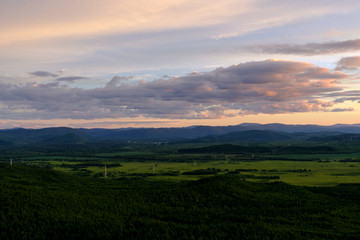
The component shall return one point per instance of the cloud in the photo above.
(348, 63)
(341, 97)
(99, 37)
(342, 109)
(116, 80)
(309, 49)
(43, 74)
(91, 17)
(68, 18)
(70, 79)
(268, 87)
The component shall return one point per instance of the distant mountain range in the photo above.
(250, 132)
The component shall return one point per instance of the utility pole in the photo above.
(10, 161)
(105, 174)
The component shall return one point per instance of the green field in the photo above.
(322, 172)
(302, 164)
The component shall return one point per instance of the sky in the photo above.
(157, 63)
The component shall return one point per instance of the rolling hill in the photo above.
(242, 132)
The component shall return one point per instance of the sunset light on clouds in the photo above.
(154, 63)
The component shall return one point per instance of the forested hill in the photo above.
(242, 132)
(38, 203)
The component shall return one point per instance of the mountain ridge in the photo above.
(243, 132)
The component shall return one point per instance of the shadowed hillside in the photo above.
(38, 203)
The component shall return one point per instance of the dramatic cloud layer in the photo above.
(353, 96)
(249, 88)
(117, 36)
(308, 49)
(67, 62)
(348, 63)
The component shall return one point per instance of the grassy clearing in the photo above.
(303, 173)
(323, 157)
